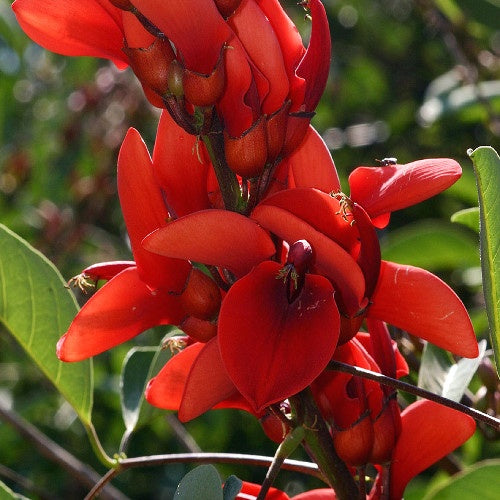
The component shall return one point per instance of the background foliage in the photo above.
(409, 79)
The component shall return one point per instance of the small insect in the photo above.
(388, 161)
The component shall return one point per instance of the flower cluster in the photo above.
(243, 237)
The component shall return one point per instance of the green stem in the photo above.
(319, 444)
(103, 457)
(228, 183)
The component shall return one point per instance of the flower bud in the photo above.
(276, 132)
(354, 445)
(201, 298)
(205, 90)
(198, 329)
(246, 155)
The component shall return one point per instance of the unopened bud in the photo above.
(174, 78)
(246, 155)
(201, 297)
(354, 445)
(276, 132)
(198, 329)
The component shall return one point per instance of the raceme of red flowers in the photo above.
(246, 240)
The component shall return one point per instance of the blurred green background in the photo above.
(409, 79)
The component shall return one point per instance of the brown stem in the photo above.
(417, 391)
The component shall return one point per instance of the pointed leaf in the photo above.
(479, 481)
(487, 169)
(138, 367)
(468, 217)
(202, 483)
(36, 308)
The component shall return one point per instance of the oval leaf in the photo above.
(487, 169)
(481, 481)
(36, 308)
(468, 217)
(202, 483)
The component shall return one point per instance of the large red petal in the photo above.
(270, 348)
(380, 190)
(331, 259)
(82, 28)
(181, 167)
(214, 237)
(419, 302)
(429, 432)
(120, 310)
(196, 28)
(144, 211)
(312, 165)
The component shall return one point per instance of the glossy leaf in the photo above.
(201, 483)
(481, 481)
(440, 375)
(452, 247)
(487, 169)
(36, 308)
(468, 217)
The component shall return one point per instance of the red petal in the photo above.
(312, 164)
(196, 28)
(270, 348)
(429, 432)
(107, 270)
(419, 302)
(214, 237)
(332, 260)
(315, 65)
(392, 187)
(180, 167)
(250, 491)
(120, 310)
(144, 211)
(319, 494)
(263, 50)
(82, 28)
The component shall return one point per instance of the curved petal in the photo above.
(273, 349)
(429, 432)
(250, 491)
(319, 494)
(180, 168)
(214, 237)
(144, 211)
(315, 65)
(256, 34)
(384, 189)
(196, 28)
(331, 259)
(117, 312)
(83, 28)
(419, 302)
(312, 165)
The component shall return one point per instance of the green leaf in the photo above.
(468, 217)
(138, 368)
(440, 375)
(7, 494)
(202, 483)
(452, 247)
(232, 487)
(480, 481)
(37, 308)
(487, 169)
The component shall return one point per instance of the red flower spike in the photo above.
(214, 237)
(144, 211)
(380, 190)
(420, 303)
(332, 260)
(312, 165)
(263, 50)
(83, 28)
(270, 348)
(246, 155)
(196, 28)
(315, 65)
(181, 168)
(117, 312)
(429, 432)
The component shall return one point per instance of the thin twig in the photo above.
(52, 451)
(203, 458)
(417, 391)
(182, 434)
